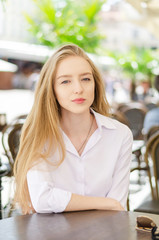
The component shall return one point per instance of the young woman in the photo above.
(72, 155)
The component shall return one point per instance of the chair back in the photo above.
(152, 154)
(120, 117)
(10, 141)
(3, 121)
(151, 131)
(151, 105)
(135, 114)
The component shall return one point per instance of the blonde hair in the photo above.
(42, 123)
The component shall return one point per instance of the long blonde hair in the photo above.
(42, 123)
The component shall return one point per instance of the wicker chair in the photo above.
(134, 112)
(3, 172)
(152, 154)
(120, 117)
(151, 131)
(10, 142)
(11, 137)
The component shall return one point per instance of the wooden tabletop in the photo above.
(94, 225)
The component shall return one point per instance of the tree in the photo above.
(139, 64)
(67, 21)
(2, 2)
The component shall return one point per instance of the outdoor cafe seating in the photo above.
(151, 157)
(10, 143)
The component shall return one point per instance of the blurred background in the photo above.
(120, 36)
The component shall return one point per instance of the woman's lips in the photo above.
(78, 100)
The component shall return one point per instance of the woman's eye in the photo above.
(86, 79)
(65, 82)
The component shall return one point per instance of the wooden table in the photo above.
(94, 225)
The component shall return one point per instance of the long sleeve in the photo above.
(44, 196)
(121, 175)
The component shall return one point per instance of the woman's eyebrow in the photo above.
(82, 74)
(86, 73)
(62, 76)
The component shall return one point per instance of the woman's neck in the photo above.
(79, 128)
(76, 123)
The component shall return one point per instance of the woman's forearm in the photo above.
(79, 203)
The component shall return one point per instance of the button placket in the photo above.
(80, 177)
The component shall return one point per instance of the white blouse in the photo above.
(102, 170)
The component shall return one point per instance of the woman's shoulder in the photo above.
(122, 130)
(119, 125)
(109, 122)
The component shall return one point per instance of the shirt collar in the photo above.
(103, 121)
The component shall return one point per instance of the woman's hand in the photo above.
(117, 206)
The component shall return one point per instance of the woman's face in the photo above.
(74, 85)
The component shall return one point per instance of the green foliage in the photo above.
(67, 21)
(139, 64)
(3, 4)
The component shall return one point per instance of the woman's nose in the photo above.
(78, 88)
